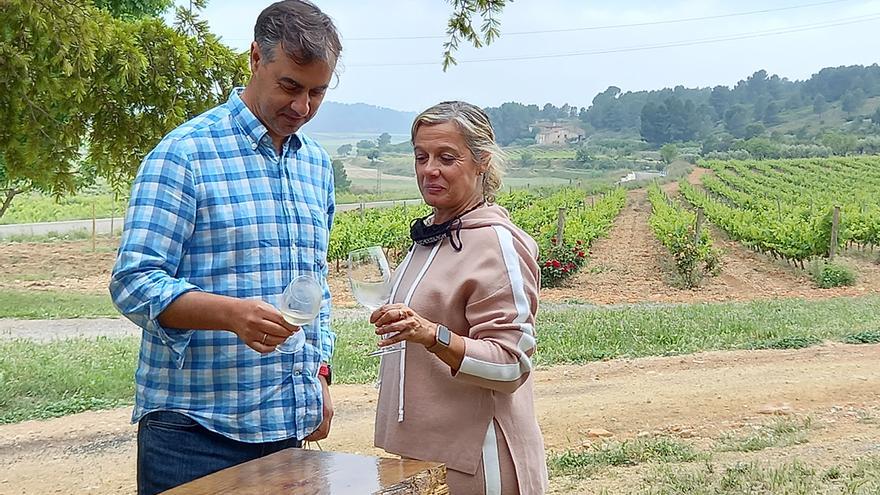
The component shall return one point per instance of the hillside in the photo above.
(353, 118)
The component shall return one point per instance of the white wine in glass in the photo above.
(300, 305)
(370, 277)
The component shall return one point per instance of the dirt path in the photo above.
(696, 397)
(631, 266)
(623, 267)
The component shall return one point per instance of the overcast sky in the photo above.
(816, 34)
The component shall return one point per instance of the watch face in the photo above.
(443, 335)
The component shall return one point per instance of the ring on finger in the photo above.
(265, 336)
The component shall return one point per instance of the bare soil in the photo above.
(631, 265)
(696, 398)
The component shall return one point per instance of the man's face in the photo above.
(285, 95)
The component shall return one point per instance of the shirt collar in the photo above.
(251, 125)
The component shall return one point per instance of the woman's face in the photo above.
(447, 173)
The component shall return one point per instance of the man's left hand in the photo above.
(324, 428)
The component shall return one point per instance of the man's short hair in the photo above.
(305, 33)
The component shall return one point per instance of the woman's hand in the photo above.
(404, 324)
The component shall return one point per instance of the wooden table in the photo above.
(311, 472)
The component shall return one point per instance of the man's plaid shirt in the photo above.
(215, 209)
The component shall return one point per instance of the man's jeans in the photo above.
(173, 449)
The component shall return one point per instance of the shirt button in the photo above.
(253, 146)
(297, 373)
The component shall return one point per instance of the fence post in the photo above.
(361, 208)
(699, 227)
(560, 227)
(94, 227)
(835, 226)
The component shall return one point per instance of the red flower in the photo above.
(547, 263)
(581, 254)
(556, 264)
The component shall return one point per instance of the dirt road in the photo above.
(696, 397)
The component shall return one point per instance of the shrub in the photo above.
(561, 262)
(829, 275)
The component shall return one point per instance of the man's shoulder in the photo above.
(210, 124)
(313, 147)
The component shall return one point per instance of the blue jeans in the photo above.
(173, 449)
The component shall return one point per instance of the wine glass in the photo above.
(300, 304)
(370, 279)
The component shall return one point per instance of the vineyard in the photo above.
(786, 208)
(585, 219)
(679, 230)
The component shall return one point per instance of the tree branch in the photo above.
(7, 202)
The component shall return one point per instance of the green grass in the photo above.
(584, 334)
(781, 433)
(587, 461)
(30, 208)
(865, 337)
(45, 380)
(792, 478)
(35, 305)
(61, 382)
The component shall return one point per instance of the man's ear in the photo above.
(256, 56)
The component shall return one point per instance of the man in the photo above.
(224, 212)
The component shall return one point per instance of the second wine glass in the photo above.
(370, 277)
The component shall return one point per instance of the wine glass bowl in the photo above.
(370, 277)
(299, 305)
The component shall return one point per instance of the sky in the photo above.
(794, 39)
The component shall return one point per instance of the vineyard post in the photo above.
(560, 227)
(835, 225)
(361, 208)
(699, 226)
(378, 181)
(592, 201)
(94, 226)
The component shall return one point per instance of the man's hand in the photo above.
(259, 325)
(324, 428)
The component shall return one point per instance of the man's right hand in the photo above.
(259, 325)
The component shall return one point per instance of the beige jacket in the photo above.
(488, 294)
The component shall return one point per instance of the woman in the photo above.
(463, 304)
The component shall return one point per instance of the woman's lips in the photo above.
(434, 189)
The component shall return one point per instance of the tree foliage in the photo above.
(461, 25)
(87, 93)
(341, 182)
(128, 9)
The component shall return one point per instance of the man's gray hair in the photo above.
(478, 134)
(304, 32)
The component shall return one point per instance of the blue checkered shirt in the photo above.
(215, 209)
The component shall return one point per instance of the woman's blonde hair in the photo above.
(478, 134)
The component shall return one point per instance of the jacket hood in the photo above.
(496, 215)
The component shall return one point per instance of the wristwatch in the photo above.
(327, 372)
(443, 338)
